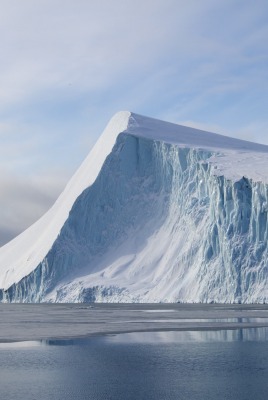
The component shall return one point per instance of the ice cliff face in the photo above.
(171, 214)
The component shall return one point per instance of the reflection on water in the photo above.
(185, 336)
(165, 311)
(224, 364)
(234, 320)
(21, 345)
(238, 320)
(231, 335)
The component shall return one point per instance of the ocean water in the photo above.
(203, 365)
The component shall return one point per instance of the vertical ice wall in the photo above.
(184, 233)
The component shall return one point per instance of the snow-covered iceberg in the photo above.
(157, 212)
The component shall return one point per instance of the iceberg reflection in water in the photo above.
(231, 335)
(248, 334)
(225, 335)
(178, 365)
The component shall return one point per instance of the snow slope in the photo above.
(20, 256)
(157, 212)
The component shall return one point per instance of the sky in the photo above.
(66, 66)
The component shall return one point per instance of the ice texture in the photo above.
(158, 212)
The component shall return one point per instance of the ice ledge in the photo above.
(233, 158)
(155, 129)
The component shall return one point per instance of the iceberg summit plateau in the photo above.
(157, 212)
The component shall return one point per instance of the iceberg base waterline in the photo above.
(162, 222)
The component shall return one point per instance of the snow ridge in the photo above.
(157, 212)
(20, 256)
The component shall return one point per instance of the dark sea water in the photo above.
(203, 365)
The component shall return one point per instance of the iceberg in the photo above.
(158, 212)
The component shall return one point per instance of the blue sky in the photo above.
(67, 66)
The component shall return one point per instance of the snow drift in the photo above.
(157, 212)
